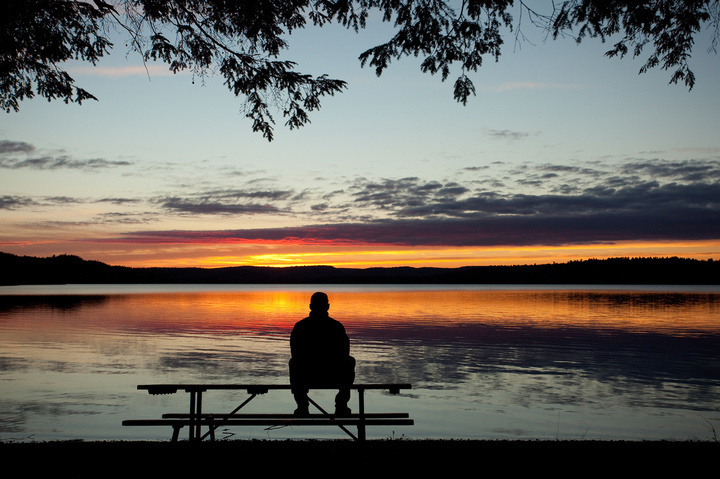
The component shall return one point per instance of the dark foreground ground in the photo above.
(374, 458)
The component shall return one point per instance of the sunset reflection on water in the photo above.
(485, 362)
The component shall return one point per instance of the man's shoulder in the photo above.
(336, 323)
(324, 322)
(301, 323)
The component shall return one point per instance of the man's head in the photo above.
(319, 302)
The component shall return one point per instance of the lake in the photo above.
(485, 362)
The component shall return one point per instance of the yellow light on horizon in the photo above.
(367, 257)
(218, 255)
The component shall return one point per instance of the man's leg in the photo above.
(299, 389)
(346, 377)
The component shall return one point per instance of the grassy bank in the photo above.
(223, 458)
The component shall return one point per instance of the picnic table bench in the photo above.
(196, 419)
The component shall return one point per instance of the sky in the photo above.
(563, 154)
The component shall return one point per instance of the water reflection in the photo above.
(484, 363)
(8, 303)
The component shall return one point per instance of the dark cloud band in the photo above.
(689, 224)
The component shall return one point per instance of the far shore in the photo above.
(69, 269)
(376, 457)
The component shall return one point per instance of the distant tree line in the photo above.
(69, 269)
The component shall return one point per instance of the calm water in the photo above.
(485, 362)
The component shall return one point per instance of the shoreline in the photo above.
(145, 458)
(70, 269)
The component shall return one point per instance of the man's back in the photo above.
(319, 338)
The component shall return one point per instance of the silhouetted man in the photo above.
(320, 351)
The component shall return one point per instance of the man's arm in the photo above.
(345, 341)
(293, 343)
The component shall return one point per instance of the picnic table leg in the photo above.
(361, 424)
(211, 431)
(198, 415)
(191, 426)
(195, 415)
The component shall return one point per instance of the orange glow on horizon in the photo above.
(205, 256)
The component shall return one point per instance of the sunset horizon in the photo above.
(355, 260)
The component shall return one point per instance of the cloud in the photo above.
(681, 170)
(54, 163)
(509, 204)
(7, 146)
(580, 204)
(403, 192)
(547, 190)
(9, 202)
(228, 202)
(507, 134)
(194, 207)
(513, 230)
(103, 219)
(119, 201)
(15, 155)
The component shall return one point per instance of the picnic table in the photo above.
(196, 418)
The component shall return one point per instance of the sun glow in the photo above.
(343, 256)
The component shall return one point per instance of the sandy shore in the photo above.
(557, 458)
